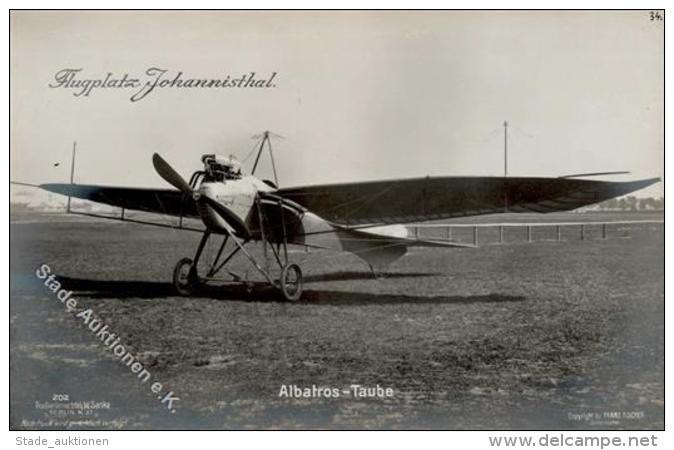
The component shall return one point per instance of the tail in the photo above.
(380, 247)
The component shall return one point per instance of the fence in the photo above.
(501, 233)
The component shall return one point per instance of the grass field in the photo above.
(517, 336)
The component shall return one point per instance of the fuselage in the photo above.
(237, 195)
(287, 222)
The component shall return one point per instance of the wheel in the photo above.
(291, 282)
(185, 278)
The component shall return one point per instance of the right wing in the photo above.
(432, 198)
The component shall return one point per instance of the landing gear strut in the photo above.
(290, 283)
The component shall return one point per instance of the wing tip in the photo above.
(640, 184)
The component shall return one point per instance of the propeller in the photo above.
(170, 175)
(173, 178)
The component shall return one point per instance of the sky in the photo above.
(357, 95)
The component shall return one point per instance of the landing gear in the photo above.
(185, 277)
(290, 283)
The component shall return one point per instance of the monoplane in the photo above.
(364, 218)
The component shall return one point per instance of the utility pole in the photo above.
(505, 165)
(505, 148)
(72, 169)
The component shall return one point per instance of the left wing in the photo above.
(162, 201)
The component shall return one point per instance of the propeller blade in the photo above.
(171, 176)
(232, 219)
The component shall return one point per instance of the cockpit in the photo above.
(221, 168)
